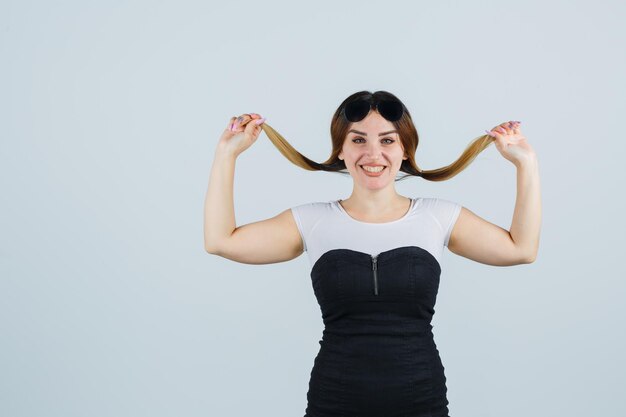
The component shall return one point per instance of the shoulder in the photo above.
(312, 207)
(311, 211)
(438, 206)
(445, 212)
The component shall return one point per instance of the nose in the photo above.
(374, 150)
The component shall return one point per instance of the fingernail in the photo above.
(258, 122)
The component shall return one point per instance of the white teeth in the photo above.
(373, 169)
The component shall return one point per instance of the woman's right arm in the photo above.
(268, 241)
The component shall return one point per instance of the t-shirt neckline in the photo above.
(345, 213)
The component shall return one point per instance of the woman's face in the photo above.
(373, 141)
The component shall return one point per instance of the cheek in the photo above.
(350, 155)
(400, 156)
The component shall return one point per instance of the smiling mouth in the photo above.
(377, 170)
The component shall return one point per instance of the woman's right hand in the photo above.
(240, 133)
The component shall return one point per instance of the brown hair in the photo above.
(408, 136)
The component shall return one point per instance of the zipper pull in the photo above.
(374, 268)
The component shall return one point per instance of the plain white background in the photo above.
(109, 117)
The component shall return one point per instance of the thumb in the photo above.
(252, 129)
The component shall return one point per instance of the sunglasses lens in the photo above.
(390, 110)
(357, 110)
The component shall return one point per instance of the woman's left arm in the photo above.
(482, 241)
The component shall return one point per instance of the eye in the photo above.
(388, 143)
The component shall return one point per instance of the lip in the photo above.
(373, 174)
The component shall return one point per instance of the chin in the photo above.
(375, 186)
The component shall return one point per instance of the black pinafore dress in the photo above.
(377, 355)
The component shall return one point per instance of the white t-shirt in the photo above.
(325, 226)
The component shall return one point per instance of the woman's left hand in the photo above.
(511, 143)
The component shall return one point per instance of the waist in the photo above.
(355, 326)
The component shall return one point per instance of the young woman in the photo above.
(375, 256)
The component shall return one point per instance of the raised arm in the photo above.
(268, 241)
(477, 239)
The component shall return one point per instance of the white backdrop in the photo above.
(109, 117)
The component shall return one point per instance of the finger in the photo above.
(253, 129)
(499, 137)
(243, 119)
(494, 133)
(230, 123)
(240, 122)
(513, 125)
(254, 117)
(496, 129)
(502, 129)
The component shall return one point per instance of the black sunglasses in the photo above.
(390, 109)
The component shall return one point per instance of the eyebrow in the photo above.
(365, 134)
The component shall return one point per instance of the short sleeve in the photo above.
(446, 212)
(307, 217)
(297, 215)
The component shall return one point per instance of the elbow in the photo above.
(211, 245)
(523, 257)
(530, 258)
(212, 249)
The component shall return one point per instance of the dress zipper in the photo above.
(374, 268)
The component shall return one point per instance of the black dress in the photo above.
(377, 355)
